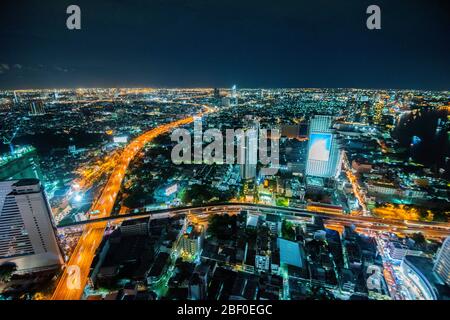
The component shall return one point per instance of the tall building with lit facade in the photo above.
(248, 168)
(198, 139)
(191, 242)
(378, 112)
(324, 156)
(234, 96)
(27, 232)
(442, 264)
(36, 109)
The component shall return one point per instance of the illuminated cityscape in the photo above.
(247, 152)
(350, 194)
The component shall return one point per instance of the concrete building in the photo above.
(397, 251)
(27, 233)
(191, 242)
(442, 264)
(248, 168)
(262, 261)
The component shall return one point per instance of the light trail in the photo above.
(85, 250)
(355, 185)
(430, 229)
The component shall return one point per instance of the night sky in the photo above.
(214, 43)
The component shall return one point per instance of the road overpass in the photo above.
(434, 229)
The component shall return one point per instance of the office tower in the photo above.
(226, 102)
(198, 140)
(378, 112)
(16, 98)
(27, 233)
(234, 96)
(442, 264)
(216, 93)
(248, 168)
(36, 109)
(21, 164)
(324, 157)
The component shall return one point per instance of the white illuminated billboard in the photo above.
(172, 189)
(319, 146)
(120, 139)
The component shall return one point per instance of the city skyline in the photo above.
(248, 154)
(355, 190)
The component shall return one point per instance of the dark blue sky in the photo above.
(169, 43)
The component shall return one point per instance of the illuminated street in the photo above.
(84, 252)
(225, 158)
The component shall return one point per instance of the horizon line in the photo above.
(220, 88)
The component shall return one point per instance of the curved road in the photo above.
(74, 278)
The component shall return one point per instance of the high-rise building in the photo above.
(234, 96)
(191, 241)
(27, 232)
(226, 102)
(442, 264)
(248, 168)
(324, 156)
(198, 139)
(378, 112)
(36, 109)
(216, 93)
(16, 98)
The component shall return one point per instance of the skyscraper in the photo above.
(442, 264)
(234, 96)
(27, 233)
(216, 93)
(248, 168)
(198, 139)
(16, 98)
(36, 109)
(324, 156)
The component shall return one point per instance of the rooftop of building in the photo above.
(193, 231)
(26, 182)
(290, 253)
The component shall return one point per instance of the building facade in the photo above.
(248, 168)
(191, 242)
(27, 232)
(442, 264)
(324, 156)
